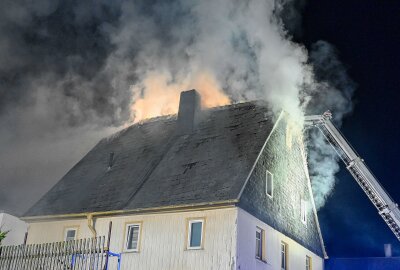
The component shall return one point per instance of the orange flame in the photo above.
(161, 95)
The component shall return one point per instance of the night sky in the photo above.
(66, 68)
(367, 37)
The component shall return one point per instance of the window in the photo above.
(303, 209)
(132, 237)
(308, 263)
(259, 243)
(70, 234)
(269, 183)
(195, 234)
(284, 254)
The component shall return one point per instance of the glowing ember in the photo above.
(159, 94)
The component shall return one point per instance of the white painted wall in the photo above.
(16, 227)
(246, 242)
(229, 241)
(163, 239)
(54, 231)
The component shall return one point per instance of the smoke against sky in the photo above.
(72, 72)
(334, 90)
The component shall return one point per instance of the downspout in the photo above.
(90, 224)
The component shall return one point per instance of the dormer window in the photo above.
(269, 183)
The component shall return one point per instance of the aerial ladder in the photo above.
(385, 205)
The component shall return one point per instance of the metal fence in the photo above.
(90, 254)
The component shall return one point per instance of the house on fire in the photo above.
(220, 188)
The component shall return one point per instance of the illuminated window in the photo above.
(132, 237)
(195, 234)
(259, 243)
(308, 263)
(303, 209)
(70, 234)
(269, 184)
(284, 256)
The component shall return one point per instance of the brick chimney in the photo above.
(189, 111)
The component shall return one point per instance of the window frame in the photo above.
(308, 262)
(303, 211)
(189, 233)
(261, 255)
(268, 173)
(70, 228)
(284, 252)
(127, 226)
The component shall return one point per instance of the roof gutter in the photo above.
(163, 209)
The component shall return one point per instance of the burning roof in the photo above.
(197, 157)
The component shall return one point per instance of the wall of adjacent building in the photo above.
(163, 239)
(246, 257)
(16, 229)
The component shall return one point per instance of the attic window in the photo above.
(110, 160)
(303, 209)
(269, 183)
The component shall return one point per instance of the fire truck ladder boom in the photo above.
(387, 208)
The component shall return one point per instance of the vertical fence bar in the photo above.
(108, 245)
(18, 258)
(78, 254)
(83, 254)
(12, 251)
(58, 249)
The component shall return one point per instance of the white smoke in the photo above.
(245, 46)
(80, 66)
(333, 91)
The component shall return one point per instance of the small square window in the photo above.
(259, 243)
(195, 234)
(132, 237)
(308, 263)
(284, 256)
(70, 234)
(303, 209)
(269, 183)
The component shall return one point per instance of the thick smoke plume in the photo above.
(333, 91)
(72, 72)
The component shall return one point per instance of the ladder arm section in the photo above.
(387, 209)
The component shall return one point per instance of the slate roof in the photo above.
(154, 166)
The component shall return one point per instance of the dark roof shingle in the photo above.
(155, 167)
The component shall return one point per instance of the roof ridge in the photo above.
(174, 116)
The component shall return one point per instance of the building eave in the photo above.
(313, 202)
(151, 210)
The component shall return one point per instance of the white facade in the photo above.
(246, 242)
(228, 241)
(16, 229)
